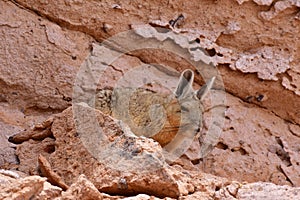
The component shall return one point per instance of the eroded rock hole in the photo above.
(217, 188)
(49, 149)
(242, 151)
(219, 54)
(211, 52)
(196, 161)
(260, 97)
(221, 145)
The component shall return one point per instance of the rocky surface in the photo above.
(259, 35)
(25, 188)
(254, 45)
(39, 60)
(263, 146)
(206, 187)
(128, 165)
(112, 168)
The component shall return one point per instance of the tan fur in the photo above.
(170, 120)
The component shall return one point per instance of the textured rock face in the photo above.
(74, 162)
(112, 167)
(26, 188)
(258, 37)
(254, 43)
(262, 144)
(258, 190)
(82, 189)
(35, 187)
(38, 60)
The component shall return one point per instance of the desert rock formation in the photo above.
(254, 46)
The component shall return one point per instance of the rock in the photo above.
(49, 192)
(13, 121)
(142, 197)
(254, 45)
(261, 143)
(206, 187)
(10, 123)
(228, 49)
(270, 191)
(82, 189)
(52, 177)
(25, 188)
(9, 173)
(112, 169)
(24, 136)
(7, 156)
(29, 151)
(229, 191)
(32, 187)
(30, 78)
(270, 66)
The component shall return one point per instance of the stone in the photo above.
(113, 169)
(270, 191)
(82, 189)
(228, 48)
(29, 151)
(263, 145)
(31, 43)
(253, 43)
(52, 177)
(48, 192)
(24, 188)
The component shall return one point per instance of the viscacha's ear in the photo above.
(184, 86)
(202, 92)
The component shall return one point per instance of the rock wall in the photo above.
(264, 33)
(254, 45)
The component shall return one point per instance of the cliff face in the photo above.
(253, 44)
